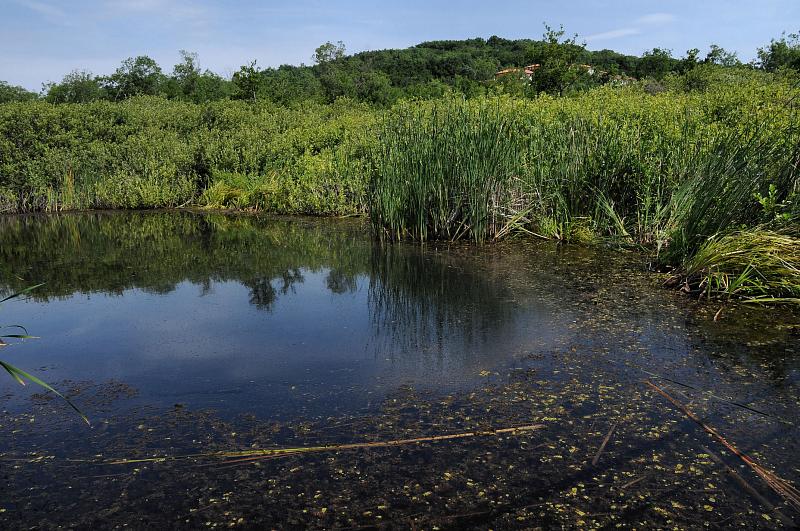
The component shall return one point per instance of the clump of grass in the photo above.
(758, 264)
(721, 192)
(445, 170)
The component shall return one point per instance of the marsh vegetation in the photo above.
(679, 175)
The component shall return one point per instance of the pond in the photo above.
(197, 342)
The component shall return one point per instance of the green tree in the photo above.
(722, 57)
(782, 53)
(288, 84)
(656, 63)
(187, 73)
(560, 62)
(9, 93)
(135, 76)
(690, 61)
(189, 83)
(79, 86)
(246, 82)
(325, 53)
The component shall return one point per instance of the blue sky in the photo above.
(41, 40)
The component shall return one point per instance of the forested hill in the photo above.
(478, 59)
(427, 70)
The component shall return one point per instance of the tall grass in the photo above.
(676, 175)
(445, 171)
(720, 193)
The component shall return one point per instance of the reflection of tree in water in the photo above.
(262, 292)
(110, 252)
(340, 282)
(425, 303)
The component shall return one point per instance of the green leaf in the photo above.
(20, 293)
(19, 375)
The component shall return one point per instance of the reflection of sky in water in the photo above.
(209, 346)
(291, 320)
(281, 318)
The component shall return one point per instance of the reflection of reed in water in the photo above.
(427, 305)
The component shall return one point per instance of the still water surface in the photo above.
(193, 326)
(252, 315)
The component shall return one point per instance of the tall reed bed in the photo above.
(672, 173)
(445, 170)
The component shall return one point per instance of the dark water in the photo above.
(184, 332)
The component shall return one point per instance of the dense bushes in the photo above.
(148, 152)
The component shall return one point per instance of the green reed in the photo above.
(444, 170)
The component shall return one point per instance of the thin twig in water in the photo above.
(605, 442)
(271, 453)
(705, 392)
(633, 482)
(788, 491)
(749, 488)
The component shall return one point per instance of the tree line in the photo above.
(427, 70)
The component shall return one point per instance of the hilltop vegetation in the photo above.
(427, 70)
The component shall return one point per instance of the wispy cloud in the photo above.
(639, 26)
(613, 34)
(43, 8)
(656, 18)
(166, 9)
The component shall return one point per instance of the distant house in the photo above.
(526, 72)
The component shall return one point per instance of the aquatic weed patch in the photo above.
(655, 467)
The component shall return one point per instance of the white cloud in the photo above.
(173, 10)
(637, 28)
(656, 18)
(613, 34)
(42, 8)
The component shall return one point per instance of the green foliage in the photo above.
(139, 76)
(150, 153)
(718, 55)
(328, 52)
(783, 53)
(10, 93)
(560, 67)
(656, 64)
(79, 86)
(760, 264)
(427, 70)
(713, 151)
(444, 170)
(665, 172)
(189, 83)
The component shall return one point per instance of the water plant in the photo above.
(444, 171)
(20, 375)
(759, 264)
